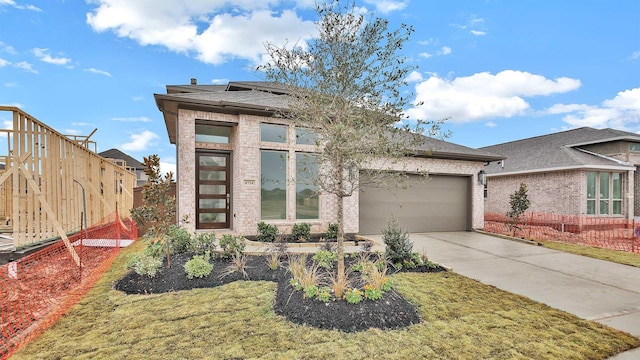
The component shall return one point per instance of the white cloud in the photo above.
(621, 112)
(414, 76)
(166, 167)
(219, 81)
(425, 55)
(478, 33)
(71, 132)
(138, 98)
(99, 72)
(387, 6)
(483, 95)
(7, 48)
(26, 67)
(80, 123)
(10, 84)
(635, 55)
(445, 50)
(141, 141)
(43, 55)
(12, 3)
(132, 119)
(227, 34)
(491, 124)
(4, 62)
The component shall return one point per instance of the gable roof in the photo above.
(119, 155)
(265, 98)
(559, 151)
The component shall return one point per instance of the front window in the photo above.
(273, 185)
(305, 136)
(307, 204)
(604, 193)
(213, 134)
(273, 133)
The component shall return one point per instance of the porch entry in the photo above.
(213, 190)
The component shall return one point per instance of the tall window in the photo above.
(307, 204)
(604, 193)
(305, 136)
(273, 185)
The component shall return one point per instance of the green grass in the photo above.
(620, 257)
(462, 319)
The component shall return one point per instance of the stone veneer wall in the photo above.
(245, 148)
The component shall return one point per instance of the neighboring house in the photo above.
(127, 161)
(238, 164)
(582, 171)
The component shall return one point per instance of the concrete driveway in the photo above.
(592, 289)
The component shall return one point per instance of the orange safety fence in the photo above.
(604, 232)
(38, 289)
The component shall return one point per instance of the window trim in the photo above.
(599, 200)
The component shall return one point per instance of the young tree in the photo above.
(519, 202)
(347, 86)
(159, 207)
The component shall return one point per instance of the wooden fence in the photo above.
(51, 185)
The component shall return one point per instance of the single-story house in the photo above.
(127, 161)
(582, 171)
(238, 164)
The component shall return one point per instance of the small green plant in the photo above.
(145, 264)
(332, 231)
(310, 291)
(519, 202)
(179, 239)
(372, 293)
(399, 246)
(301, 232)
(267, 232)
(353, 296)
(324, 294)
(325, 259)
(295, 284)
(231, 245)
(203, 242)
(199, 266)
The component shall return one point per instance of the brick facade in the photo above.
(245, 146)
(559, 192)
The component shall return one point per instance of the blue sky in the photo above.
(500, 69)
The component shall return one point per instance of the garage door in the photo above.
(441, 203)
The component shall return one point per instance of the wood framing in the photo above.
(51, 182)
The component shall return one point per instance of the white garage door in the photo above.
(441, 203)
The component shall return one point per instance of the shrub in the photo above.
(267, 232)
(324, 294)
(332, 231)
(145, 264)
(325, 259)
(273, 260)
(310, 291)
(238, 264)
(179, 240)
(301, 232)
(399, 246)
(231, 245)
(203, 242)
(297, 265)
(199, 266)
(353, 296)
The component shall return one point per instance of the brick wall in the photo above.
(245, 148)
(561, 192)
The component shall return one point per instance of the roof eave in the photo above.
(564, 168)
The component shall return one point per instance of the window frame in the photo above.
(605, 200)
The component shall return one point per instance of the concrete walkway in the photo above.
(592, 289)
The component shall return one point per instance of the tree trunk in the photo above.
(340, 249)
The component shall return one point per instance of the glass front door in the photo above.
(213, 193)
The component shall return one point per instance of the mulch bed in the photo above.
(390, 312)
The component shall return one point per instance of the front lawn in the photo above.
(620, 257)
(461, 319)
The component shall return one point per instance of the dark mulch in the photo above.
(390, 312)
